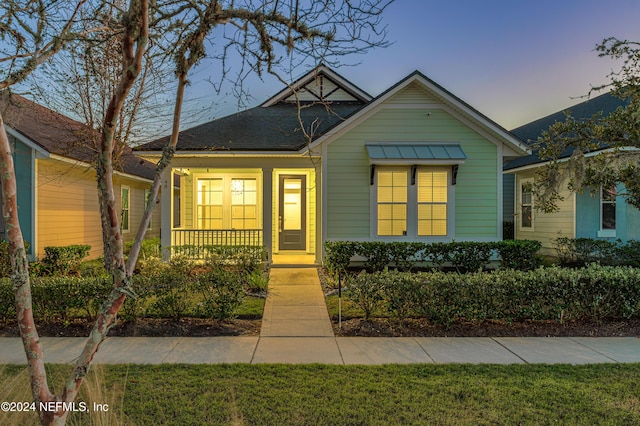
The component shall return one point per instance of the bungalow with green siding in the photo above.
(323, 160)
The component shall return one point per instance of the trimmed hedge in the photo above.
(582, 251)
(407, 256)
(593, 293)
(182, 287)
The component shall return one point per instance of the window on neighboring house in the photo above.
(147, 196)
(227, 203)
(413, 202)
(526, 205)
(392, 202)
(125, 202)
(608, 208)
(432, 201)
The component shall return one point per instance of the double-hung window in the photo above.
(413, 201)
(607, 211)
(125, 200)
(227, 202)
(526, 204)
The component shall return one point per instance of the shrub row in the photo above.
(582, 251)
(176, 289)
(593, 293)
(406, 256)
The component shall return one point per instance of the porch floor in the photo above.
(291, 259)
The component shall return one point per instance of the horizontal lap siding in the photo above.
(68, 209)
(348, 171)
(547, 226)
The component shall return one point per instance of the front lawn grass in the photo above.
(353, 395)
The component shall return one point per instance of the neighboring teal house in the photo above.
(605, 215)
(415, 163)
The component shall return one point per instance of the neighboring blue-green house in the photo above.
(581, 215)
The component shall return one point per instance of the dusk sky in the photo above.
(513, 60)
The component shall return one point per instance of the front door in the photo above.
(292, 216)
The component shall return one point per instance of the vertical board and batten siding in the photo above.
(68, 210)
(348, 172)
(546, 226)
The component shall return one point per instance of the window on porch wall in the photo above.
(209, 208)
(227, 203)
(244, 209)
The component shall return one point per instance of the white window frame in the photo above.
(122, 209)
(226, 196)
(602, 232)
(412, 207)
(521, 185)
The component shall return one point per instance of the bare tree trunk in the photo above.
(167, 155)
(20, 277)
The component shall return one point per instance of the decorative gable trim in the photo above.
(448, 101)
(320, 84)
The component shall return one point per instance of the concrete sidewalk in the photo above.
(337, 350)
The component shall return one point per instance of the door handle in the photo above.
(280, 222)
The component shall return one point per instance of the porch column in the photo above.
(166, 210)
(267, 211)
(319, 241)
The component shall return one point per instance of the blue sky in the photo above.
(514, 61)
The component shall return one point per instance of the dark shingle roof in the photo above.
(606, 103)
(273, 128)
(60, 135)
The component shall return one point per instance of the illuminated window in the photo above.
(227, 203)
(432, 201)
(209, 206)
(244, 209)
(392, 202)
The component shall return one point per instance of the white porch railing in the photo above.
(216, 237)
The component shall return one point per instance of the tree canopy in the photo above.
(604, 149)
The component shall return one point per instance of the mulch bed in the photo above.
(383, 327)
(375, 327)
(152, 327)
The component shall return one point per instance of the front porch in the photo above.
(273, 207)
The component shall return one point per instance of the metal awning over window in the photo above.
(415, 154)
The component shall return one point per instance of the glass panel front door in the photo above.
(292, 212)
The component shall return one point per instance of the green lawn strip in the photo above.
(359, 395)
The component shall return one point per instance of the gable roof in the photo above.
(274, 126)
(53, 133)
(462, 109)
(530, 132)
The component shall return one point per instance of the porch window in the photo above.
(209, 207)
(392, 202)
(244, 208)
(227, 202)
(432, 201)
(608, 208)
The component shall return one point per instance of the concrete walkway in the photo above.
(296, 330)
